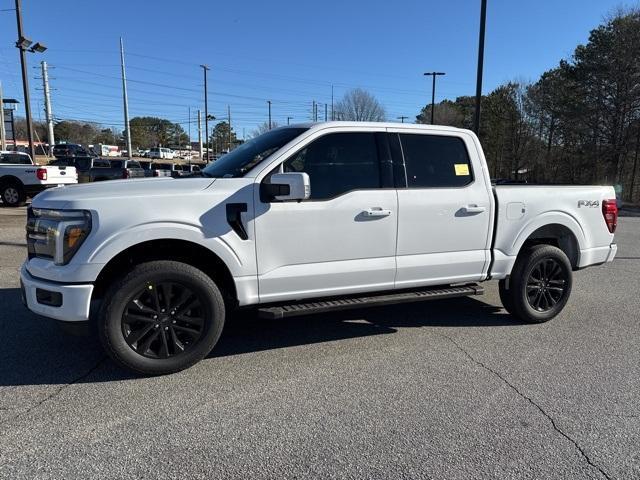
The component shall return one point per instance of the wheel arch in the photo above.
(10, 179)
(180, 250)
(562, 235)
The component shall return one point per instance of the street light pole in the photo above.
(205, 68)
(22, 46)
(289, 119)
(483, 21)
(269, 102)
(125, 101)
(433, 91)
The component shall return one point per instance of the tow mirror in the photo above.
(287, 186)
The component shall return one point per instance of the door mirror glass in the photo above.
(288, 186)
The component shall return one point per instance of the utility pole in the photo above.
(314, 112)
(401, 118)
(205, 68)
(333, 117)
(325, 112)
(433, 91)
(229, 118)
(189, 134)
(288, 119)
(200, 133)
(269, 102)
(22, 44)
(47, 106)
(483, 21)
(3, 133)
(125, 100)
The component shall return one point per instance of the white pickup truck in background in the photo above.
(21, 178)
(305, 219)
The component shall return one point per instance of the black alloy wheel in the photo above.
(546, 285)
(163, 319)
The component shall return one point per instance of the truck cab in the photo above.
(71, 150)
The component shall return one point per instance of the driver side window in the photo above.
(338, 163)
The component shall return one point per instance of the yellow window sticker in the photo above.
(461, 169)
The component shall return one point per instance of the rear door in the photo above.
(444, 209)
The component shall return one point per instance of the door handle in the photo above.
(376, 212)
(473, 209)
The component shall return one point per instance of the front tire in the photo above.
(540, 284)
(160, 318)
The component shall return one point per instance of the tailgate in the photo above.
(60, 175)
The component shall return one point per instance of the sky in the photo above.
(288, 52)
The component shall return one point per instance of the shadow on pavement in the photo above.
(34, 351)
(246, 333)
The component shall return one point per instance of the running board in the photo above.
(321, 306)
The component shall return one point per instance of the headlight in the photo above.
(56, 234)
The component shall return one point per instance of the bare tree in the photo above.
(263, 128)
(361, 106)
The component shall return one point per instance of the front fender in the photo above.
(236, 261)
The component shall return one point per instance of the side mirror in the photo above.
(287, 186)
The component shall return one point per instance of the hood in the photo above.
(73, 196)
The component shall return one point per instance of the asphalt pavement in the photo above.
(445, 389)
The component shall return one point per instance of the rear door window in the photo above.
(14, 158)
(435, 161)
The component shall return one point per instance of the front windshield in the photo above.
(239, 161)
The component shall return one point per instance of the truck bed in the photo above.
(538, 210)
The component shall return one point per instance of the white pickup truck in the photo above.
(305, 219)
(20, 178)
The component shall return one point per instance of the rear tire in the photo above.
(13, 194)
(160, 318)
(505, 296)
(539, 285)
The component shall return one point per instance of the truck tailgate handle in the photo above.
(473, 209)
(377, 212)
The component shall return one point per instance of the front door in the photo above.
(342, 239)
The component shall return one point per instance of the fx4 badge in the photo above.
(588, 203)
